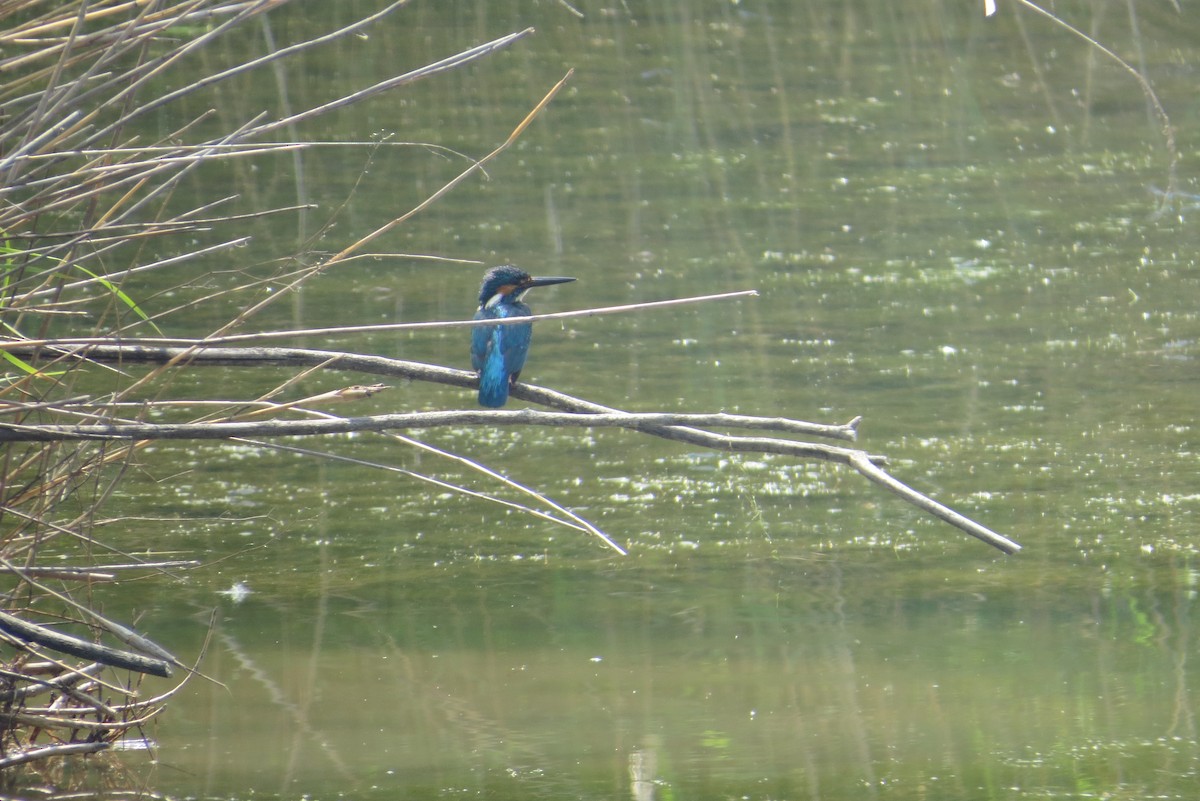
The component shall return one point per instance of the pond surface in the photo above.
(953, 226)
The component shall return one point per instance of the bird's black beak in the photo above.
(547, 281)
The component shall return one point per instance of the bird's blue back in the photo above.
(498, 352)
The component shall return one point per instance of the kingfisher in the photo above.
(498, 351)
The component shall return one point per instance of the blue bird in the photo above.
(498, 351)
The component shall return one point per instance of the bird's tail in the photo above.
(493, 384)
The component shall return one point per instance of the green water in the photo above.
(952, 226)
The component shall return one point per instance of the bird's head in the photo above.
(508, 283)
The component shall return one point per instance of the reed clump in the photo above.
(88, 207)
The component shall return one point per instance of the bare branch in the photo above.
(59, 749)
(64, 643)
(580, 412)
(872, 471)
(224, 429)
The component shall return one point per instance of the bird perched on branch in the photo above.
(498, 351)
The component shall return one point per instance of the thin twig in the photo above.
(477, 166)
(1167, 129)
(580, 523)
(438, 324)
(15, 346)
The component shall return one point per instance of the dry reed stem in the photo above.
(78, 192)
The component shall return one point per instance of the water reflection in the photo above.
(643, 770)
(783, 678)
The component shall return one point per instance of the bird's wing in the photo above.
(514, 345)
(481, 343)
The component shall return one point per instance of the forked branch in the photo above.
(578, 412)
